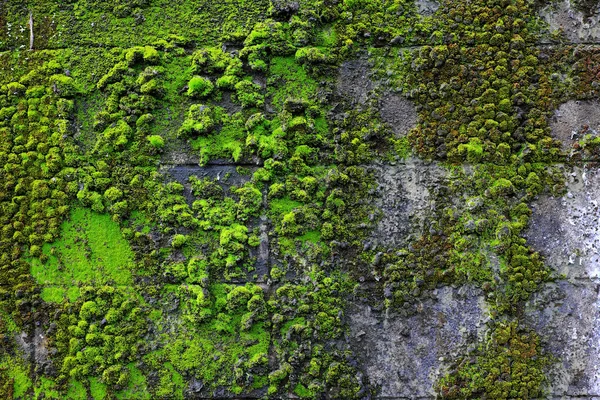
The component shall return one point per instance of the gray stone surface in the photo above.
(225, 174)
(566, 230)
(576, 25)
(569, 120)
(404, 198)
(403, 356)
(567, 316)
(398, 112)
(354, 81)
(35, 347)
(427, 7)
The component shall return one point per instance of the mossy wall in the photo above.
(191, 191)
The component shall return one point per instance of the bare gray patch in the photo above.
(566, 230)
(398, 112)
(567, 316)
(570, 119)
(577, 27)
(354, 81)
(427, 7)
(567, 313)
(404, 198)
(404, 356)
(35, 348)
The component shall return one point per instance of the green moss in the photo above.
(53, 294)
(91, 250)
(302, 391)
(18, 373)
(509, 365)
(98, 390)
(238, 338)
(199, 87)
(47, 388)
(227, 143)
(402, 148)
(76, 391)
(283, 206)
(289, 79)
(93, 118)
(311, 236)
(156, 141)
(137, 388)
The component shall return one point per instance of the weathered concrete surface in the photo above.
(570, 119)
(567, 316)
(403, 356)
(356, 87)
(566, 230)
(35, 348)
(427, 7)
(578, 26)
(398, 112)
(404, 198)
(354, 81)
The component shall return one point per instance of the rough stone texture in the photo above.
(570, 119)
(398, 112)
(427, 7)
(354, 81)
(567, 315)
(179, 152)
(403, 197)
(404, 355)
(566, 230)
(35, 347)
(576, 25)
(356, 87)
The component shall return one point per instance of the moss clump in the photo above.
(199, 87)
(156, 141)
(509, 365)
(98, 335)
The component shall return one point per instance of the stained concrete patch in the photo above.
(403, 196)
(572, 118)
(576, 25)
(427, 7)
(404, 356)
(567, 316)
(566, 230)
(35, 348)
(398, 112)
(179, 152)
(354, 81)
(356, 88)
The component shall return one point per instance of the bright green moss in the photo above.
(48, 389)
(108, 123)
(91, 250)
(199, 87)
(287, 78)
(18, 373)
(76, 391)
(98, 390)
